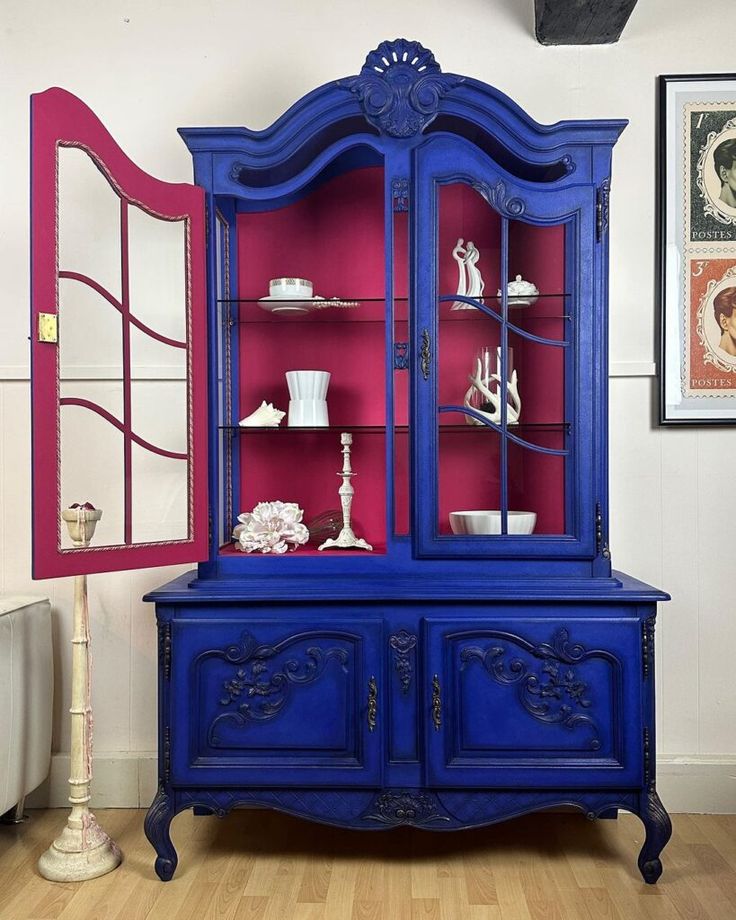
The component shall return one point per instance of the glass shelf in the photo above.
(512, 298)
(324, 304)
(518, 319)
(369, 310)
(381, 429)
(365, 429)
(373, 310)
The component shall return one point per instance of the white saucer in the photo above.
(283, 304)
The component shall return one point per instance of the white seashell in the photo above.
(265, 416)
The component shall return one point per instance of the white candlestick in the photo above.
(346, 539)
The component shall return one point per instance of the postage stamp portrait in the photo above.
(710, 173)
(710, 328)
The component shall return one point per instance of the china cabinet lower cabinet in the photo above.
(386, 313)
(436, 715)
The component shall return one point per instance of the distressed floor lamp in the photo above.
(82, 850)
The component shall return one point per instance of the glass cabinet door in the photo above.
(503, 389)
(119, 330)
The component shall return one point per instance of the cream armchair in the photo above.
(26, 697)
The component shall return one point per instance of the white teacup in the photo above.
(286, 288)
(308, 384)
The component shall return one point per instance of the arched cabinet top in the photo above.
(400, 97)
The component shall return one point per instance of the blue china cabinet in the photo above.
(472, 666)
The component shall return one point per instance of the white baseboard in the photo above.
(698, 784)
(704, 785)
(121, 780)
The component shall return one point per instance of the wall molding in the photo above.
(632, 369)
(686, 783)
(102, 373)
(97, 372)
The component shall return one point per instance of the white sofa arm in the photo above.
(26, 696)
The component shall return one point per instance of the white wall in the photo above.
(146, 67)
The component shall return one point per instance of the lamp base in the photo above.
(80, 853)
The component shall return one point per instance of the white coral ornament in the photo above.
(271, 527)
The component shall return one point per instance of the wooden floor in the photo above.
(259, 865)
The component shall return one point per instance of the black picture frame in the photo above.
(696, 249)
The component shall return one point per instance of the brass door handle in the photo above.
(372, 703)
(436, 703)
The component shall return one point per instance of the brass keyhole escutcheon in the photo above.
(436, 703)
(372, 703)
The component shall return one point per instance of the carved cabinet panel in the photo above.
(259, 702)
(533, 701)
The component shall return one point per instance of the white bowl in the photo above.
(308, 384)
(489, 522)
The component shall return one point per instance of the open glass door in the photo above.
(118, 333)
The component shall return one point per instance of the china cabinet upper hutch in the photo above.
(443, 679)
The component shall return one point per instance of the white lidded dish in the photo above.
(520, 293)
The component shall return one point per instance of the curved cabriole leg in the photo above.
(158, 821)
(659, 830)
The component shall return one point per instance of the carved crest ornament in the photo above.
(400, 87)
(416, 809)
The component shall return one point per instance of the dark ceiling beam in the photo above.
(581, 22)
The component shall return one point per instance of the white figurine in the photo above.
(470, 281)
(476, 284)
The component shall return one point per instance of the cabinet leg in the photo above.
(659, 830)
(157, 823)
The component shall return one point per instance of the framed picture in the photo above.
(697, 249)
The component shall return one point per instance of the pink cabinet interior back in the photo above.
(335, 238)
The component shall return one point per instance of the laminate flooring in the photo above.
(261, 865)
